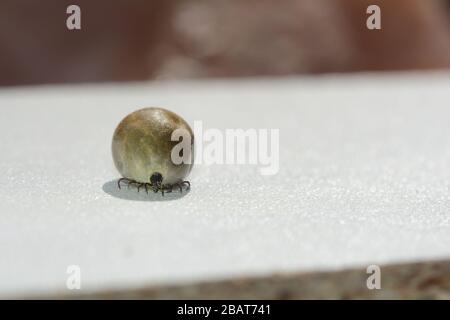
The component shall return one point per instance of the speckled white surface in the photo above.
(364, 178)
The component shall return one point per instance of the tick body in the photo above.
(142, 150)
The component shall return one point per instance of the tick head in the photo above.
(156, 180)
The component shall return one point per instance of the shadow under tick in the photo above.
(132, 193)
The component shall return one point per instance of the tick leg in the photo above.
(133, 182)
(120, 180)
(168, 188)
(139, 186)
(188, 184)
(146, 187)
(179, 187)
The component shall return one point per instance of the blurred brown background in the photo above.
(161, 39)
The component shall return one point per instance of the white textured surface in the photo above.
(364, 178)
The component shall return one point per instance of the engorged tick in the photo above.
(142, 147)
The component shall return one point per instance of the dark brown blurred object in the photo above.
(270, 37)
(415, 34)
(143, 39)
(118, 40)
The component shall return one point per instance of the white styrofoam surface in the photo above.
(364, 178)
